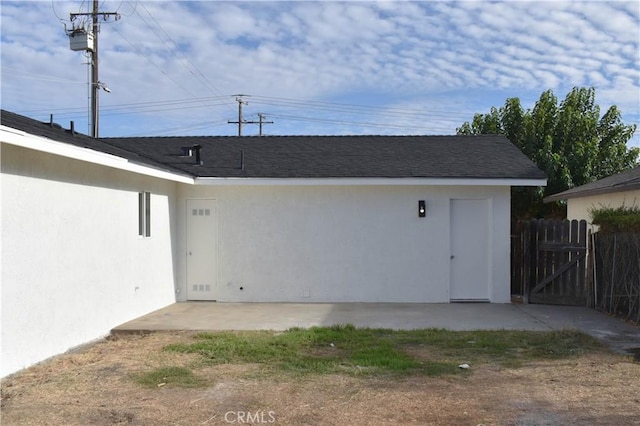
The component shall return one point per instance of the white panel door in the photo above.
(202, 256)
(470, 243)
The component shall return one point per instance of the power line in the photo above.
(53, 7)
(141, 53)
(132, 12)
(173, 49)
(157, 110)
(350, 123)
(140, 106)
(369, 110)
(174, 101)
(175, 130)
(18, 73)
(195, 103)
(352, 108)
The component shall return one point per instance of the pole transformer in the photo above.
(95, 84)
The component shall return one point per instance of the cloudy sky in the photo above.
(316, 67)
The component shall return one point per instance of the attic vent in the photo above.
(187, 151)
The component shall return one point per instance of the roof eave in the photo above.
(566, 195)
(39, 143)
(375, 181)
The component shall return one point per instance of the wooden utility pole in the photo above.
(240, 121)
(95, 90)
(261, 116)
(96, 85)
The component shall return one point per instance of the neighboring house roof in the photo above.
(459, 156)
(623, 181)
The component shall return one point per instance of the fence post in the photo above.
(530, 259)
(613, 273)
(592, 295)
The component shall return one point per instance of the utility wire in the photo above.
(173, 48)
(185, 58)
(352, 108)
(370, 111)
(53, 7)
(175, 130)
(349, 123)
(156, 110)
(141, 53)
(32, 76)
(168, 102)
(140, 105)
(134, 7)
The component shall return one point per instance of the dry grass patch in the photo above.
(97, 386)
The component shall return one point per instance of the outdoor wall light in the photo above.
(422, 208)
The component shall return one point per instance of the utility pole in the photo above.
(261, 116)
(96, 85)
(240, 121)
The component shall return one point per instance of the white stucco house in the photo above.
(621, 189)
(97, 232)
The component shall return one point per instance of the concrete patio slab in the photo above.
(619, 335)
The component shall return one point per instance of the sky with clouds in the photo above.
(316, 67)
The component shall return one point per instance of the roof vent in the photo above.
(190, 151)
(52, 124)
(196, 149)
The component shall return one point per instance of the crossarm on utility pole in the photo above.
(240, 121)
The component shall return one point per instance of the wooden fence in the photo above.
(548, 261)
(615, 274)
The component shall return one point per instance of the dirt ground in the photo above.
(95, 386)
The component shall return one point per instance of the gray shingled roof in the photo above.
(623, 181)
(57, 133)
(483, 156)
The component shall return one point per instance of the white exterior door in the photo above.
(202, 247)
(470, 245)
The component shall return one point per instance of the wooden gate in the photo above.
(548, 261)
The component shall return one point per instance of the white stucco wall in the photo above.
(73, 265)
(339, 243)
(579, 208)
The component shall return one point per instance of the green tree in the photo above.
(569, 141)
